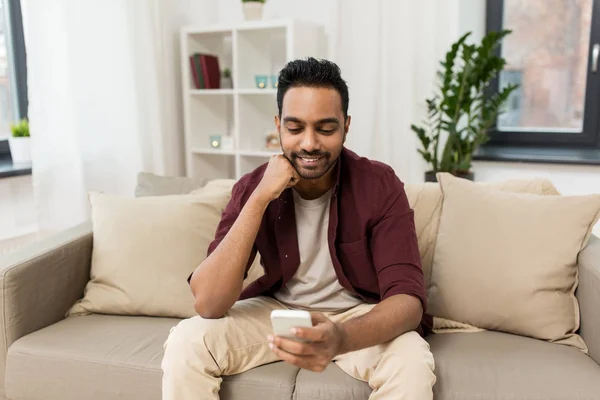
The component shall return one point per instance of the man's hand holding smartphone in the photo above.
(311, 344)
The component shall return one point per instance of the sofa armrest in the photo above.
(39, 282)
(588, 294)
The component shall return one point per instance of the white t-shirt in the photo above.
(315, 286)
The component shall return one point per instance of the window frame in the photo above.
(18, 61)
(590, 136)
(15, 42)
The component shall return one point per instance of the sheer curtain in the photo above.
(104, 97)
(389, 52)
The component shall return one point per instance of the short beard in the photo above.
(293, 157)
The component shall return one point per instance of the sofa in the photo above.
(47, 356)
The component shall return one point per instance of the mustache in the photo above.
(302, 154)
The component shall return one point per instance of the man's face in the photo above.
(312, 129)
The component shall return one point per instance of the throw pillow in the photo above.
(508, 261)
(145, 248)
(426, 201)
(149, 184)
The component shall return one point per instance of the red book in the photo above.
(211, 71)
(194, 74)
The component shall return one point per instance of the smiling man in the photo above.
(336, 237)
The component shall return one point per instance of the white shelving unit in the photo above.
(245, 112)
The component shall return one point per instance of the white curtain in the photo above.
(389, 52)
(104, 84)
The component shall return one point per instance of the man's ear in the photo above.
(347, 126)
(278, 123)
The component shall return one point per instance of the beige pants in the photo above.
(199, 351)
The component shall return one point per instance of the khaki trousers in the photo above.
(199, 351)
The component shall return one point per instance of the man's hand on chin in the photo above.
(325, 340)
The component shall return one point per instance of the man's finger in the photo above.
(318, 317)
(294, 347)
(306, 362)
(310, 334)
(299, 361)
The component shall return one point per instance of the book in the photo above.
(194, 73)
(211, 71)
(199, 71)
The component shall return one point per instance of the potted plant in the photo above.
(253, 9)
(461, 111)
(20, 142)
(226, 80)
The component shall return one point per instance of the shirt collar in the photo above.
(338, 171)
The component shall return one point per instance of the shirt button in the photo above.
(286, 256)
(278, 217)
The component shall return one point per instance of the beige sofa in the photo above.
(103, 357)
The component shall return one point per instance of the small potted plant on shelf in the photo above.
(253, 9)
(226, 80)
(461, 110)
(20, 142)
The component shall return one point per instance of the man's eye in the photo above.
(294, 130)
(327, 130)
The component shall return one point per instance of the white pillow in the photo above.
(508, 261)
(145, 248)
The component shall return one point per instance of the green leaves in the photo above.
(20, 129)
(462, 110)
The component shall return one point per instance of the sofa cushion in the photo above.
(494, 365)
(101, 357)
(426, 201)
(149, 184)
(89, 357)
(145, 248)
(516, 253)
(331, 384)
(274, 381)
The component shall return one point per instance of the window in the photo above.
(13, 71)
(553, 54)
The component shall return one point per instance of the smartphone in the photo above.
(284, 320)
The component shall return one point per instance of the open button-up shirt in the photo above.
(371, 234)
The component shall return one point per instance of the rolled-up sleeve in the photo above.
(394, 245)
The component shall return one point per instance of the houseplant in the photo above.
(461, 111)
(226, 79)
(20, 142)
(253, 9)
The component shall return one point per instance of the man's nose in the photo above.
(309, 141)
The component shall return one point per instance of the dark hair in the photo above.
(312, 73)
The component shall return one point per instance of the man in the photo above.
(336, 236)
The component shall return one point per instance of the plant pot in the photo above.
(430, 176)
(20, 149)
(226, 83)
(253, 10)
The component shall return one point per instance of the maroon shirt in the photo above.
(372, 237)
